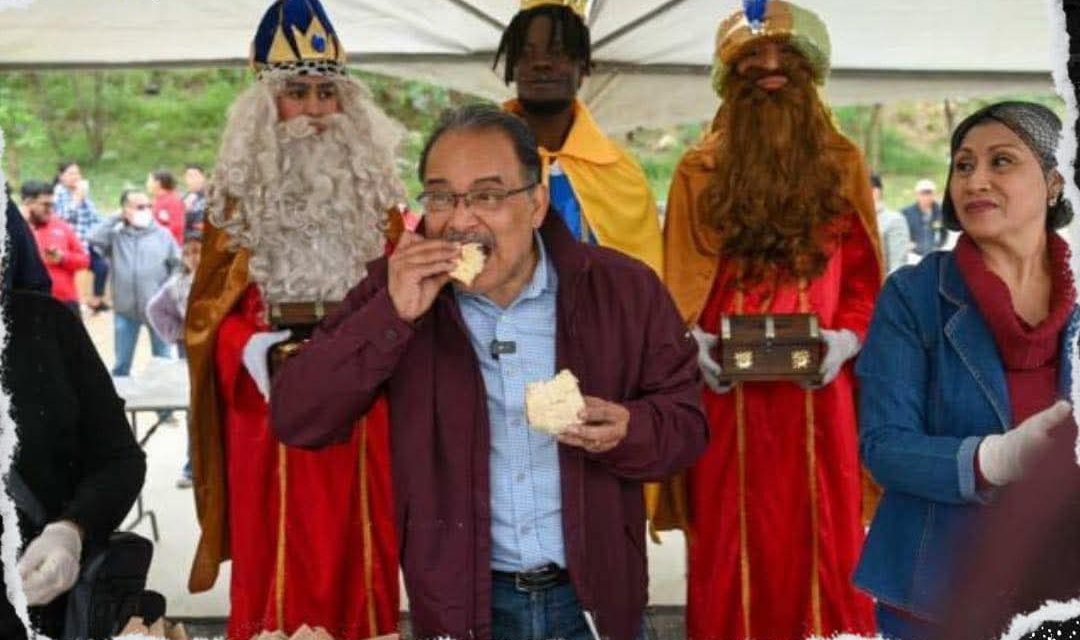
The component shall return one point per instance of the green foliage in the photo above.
(159, 119)
(120, 125)
(659, 153)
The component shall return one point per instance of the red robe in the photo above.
(330, 559)
(775, 528)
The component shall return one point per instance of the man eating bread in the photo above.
(507, 531)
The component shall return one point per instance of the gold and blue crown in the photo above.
(577, 6)
(297, 35)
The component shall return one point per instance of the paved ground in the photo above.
(175, 514)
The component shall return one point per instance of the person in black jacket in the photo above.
(23, 268)
(77, 453)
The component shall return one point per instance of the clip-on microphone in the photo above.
(498, 348)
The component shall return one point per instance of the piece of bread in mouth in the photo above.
(553, 405)
(470, 264)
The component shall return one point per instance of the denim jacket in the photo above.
(931, 386)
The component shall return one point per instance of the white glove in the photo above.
(1004, 457)
(50, 564)
(255, 357)
(840, 346)
(710, 369)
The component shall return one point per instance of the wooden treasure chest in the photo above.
(770, 347)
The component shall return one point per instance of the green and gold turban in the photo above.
(771, 19)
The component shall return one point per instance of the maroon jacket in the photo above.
(617, 329)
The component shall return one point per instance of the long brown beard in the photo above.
(775, 189)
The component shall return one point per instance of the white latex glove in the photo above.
(840, 346)
(1004, 457)
(255, 357)
(710, 369)
(50, 564)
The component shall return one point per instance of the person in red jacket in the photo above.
(169, 210)
(57, 243)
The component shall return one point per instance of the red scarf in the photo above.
(1029, 354)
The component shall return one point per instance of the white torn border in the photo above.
(9, 541)
(1053, 611)
(1066, 157)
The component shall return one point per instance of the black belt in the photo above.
(545, 577)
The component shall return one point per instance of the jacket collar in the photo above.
(570, 256)
(585, 140)
(970, 336)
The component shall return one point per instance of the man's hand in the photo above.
(418, 270)
(603, 426)
(50, 565)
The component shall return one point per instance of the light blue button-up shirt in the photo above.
(526, 506)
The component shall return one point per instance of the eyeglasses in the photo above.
(142, 207)
(440, 202)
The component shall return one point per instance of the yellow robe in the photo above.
(614, 194)
(219, 282)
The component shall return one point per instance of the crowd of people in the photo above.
(140, 258)
(354, 409)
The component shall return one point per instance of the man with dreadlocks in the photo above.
(296, 209)
(600, 192)
(772, 213)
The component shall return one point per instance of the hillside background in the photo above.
(119, 125)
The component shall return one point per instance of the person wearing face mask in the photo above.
(962, 380)
(143, 256)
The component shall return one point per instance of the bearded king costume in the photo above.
(605, 198)
(772, 510)
(294, 216)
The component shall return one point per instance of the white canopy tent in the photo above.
(652, 56)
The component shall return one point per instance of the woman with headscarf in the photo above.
(965, 364)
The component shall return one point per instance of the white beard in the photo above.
(310, 207)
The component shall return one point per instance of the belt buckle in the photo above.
(537, 579)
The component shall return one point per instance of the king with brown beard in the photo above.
(772, 214)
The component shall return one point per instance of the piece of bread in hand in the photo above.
(553, 405)
(470, 264)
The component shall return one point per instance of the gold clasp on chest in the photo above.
(800, 360)
(744, 359)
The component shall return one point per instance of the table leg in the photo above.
(140, 511)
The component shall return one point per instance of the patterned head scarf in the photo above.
(1037, 126)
